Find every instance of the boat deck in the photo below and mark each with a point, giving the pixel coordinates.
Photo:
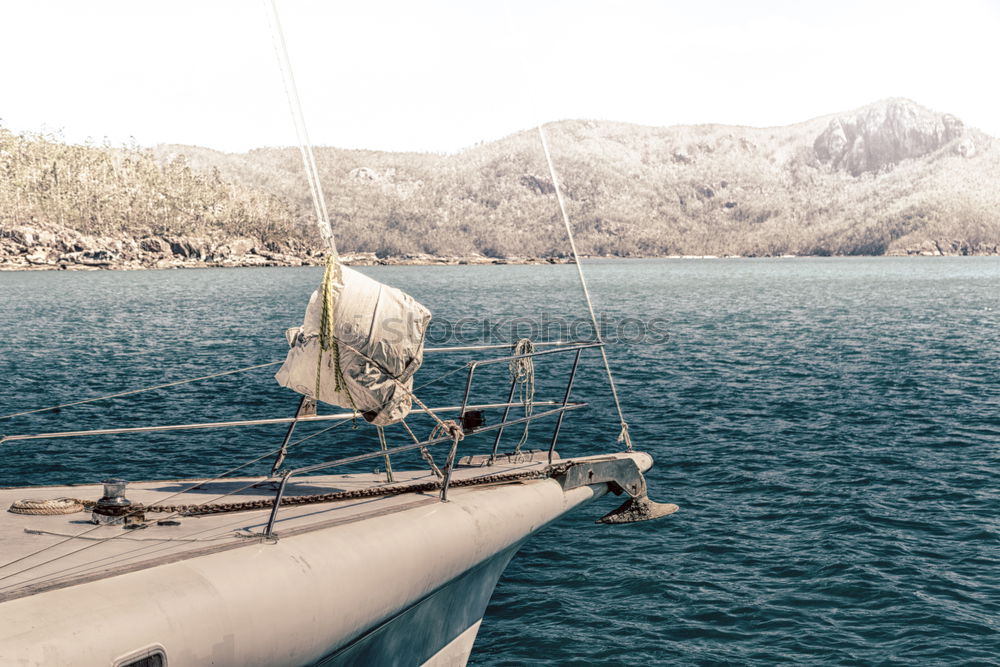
(43, 552)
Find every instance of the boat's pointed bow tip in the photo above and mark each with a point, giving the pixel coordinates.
(643, 460)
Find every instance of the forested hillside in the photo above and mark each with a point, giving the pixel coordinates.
(905, 177)
(892, 177)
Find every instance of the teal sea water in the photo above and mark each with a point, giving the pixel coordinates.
(829, 427)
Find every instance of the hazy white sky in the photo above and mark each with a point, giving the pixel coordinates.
(444, 74)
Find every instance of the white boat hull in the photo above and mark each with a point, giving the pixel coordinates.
(407, 585)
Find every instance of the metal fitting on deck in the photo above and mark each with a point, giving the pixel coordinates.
(113, 506)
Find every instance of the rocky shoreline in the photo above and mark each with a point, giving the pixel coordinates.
(53, 247)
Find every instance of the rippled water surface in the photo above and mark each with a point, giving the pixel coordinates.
(829, 427)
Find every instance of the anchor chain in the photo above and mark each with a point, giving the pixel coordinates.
(353, 494)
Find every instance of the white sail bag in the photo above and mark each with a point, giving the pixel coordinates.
(376, 347)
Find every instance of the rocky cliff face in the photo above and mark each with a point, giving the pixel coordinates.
(50, 246)
(884, 135)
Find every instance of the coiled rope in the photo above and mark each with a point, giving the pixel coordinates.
(522, 373)
(55, 506)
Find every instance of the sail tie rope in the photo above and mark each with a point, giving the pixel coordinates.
(623, 435)
(327, 334)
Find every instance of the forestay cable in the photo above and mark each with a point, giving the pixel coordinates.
(623, 436)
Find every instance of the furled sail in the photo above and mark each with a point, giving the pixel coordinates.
(359, 346)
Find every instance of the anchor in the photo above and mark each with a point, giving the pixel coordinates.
(622, 475)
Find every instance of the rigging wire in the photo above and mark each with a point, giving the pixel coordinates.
(623, 435)
(144, 389)
(301, 132)
(326, 232)
(141, 390)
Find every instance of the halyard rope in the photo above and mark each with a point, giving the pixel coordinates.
(301, 132)
(327, 340)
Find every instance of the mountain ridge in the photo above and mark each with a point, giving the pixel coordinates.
(891, 177)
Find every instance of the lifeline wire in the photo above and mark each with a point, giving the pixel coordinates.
(130, 392)
(444, 426)
(139, 391)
